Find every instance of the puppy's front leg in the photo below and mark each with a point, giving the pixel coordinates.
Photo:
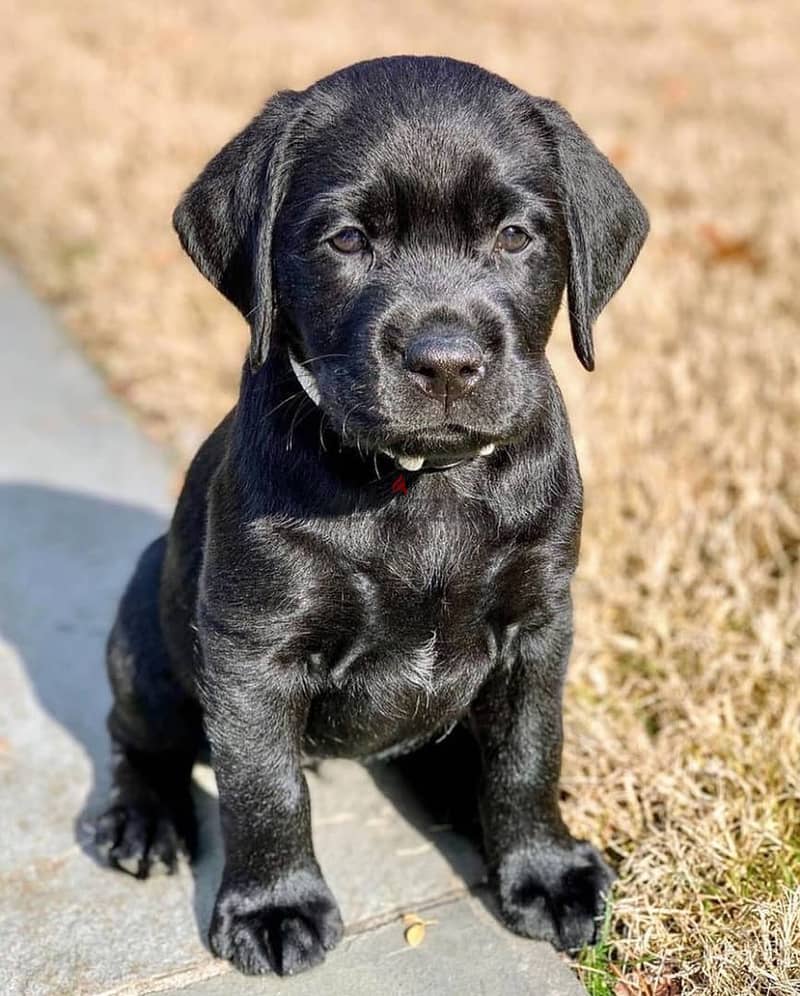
(549, 885)
(274, 911)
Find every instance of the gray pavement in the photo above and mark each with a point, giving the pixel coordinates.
(81, 492)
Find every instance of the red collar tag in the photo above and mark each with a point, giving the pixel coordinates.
(399, 486)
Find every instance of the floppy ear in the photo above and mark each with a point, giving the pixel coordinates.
(606, 224)
(225, 219)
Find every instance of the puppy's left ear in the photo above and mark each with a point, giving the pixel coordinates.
(606, 225)
(225, 219)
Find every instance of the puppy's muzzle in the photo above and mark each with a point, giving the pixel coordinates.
(444, 367)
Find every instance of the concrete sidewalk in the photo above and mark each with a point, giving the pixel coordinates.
(81, 492)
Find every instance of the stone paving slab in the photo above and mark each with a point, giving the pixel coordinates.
(81, 493)
(464, 951)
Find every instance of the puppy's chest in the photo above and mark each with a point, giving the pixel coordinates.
(412, 647)
(424, 614)
(432, 596)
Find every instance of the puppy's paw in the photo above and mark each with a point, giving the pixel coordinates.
(285, 927)
(554, 890)
(143, 839)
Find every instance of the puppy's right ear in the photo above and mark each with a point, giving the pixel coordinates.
(225, 219)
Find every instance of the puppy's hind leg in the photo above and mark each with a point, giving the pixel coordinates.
(155, 736)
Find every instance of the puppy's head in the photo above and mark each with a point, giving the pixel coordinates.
(405, 229)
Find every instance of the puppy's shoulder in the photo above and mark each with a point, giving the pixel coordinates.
(189, 519)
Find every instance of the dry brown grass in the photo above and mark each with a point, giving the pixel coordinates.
(684, 704)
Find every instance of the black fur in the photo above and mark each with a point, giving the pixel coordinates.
(303, 603)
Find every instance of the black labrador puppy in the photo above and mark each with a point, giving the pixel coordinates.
(376, 545)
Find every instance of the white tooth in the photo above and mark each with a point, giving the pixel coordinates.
(410, 462)
(486, 450)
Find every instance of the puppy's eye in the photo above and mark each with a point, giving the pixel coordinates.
(349, 241)
(512, 239)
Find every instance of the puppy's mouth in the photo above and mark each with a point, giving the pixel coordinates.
(419, 462)
(412, 448)
(440, 448)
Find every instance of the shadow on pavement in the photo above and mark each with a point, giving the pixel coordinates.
(435, 789)
(65, 559)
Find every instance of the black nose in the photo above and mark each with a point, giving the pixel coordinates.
(444, 366)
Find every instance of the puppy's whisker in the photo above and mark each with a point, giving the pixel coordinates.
(294, 422)
(356, 406)
(284, 402)
(322, 356)
(257, 307)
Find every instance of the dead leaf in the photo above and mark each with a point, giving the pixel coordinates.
(724, 247)
(638, 982)
(414, 933)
